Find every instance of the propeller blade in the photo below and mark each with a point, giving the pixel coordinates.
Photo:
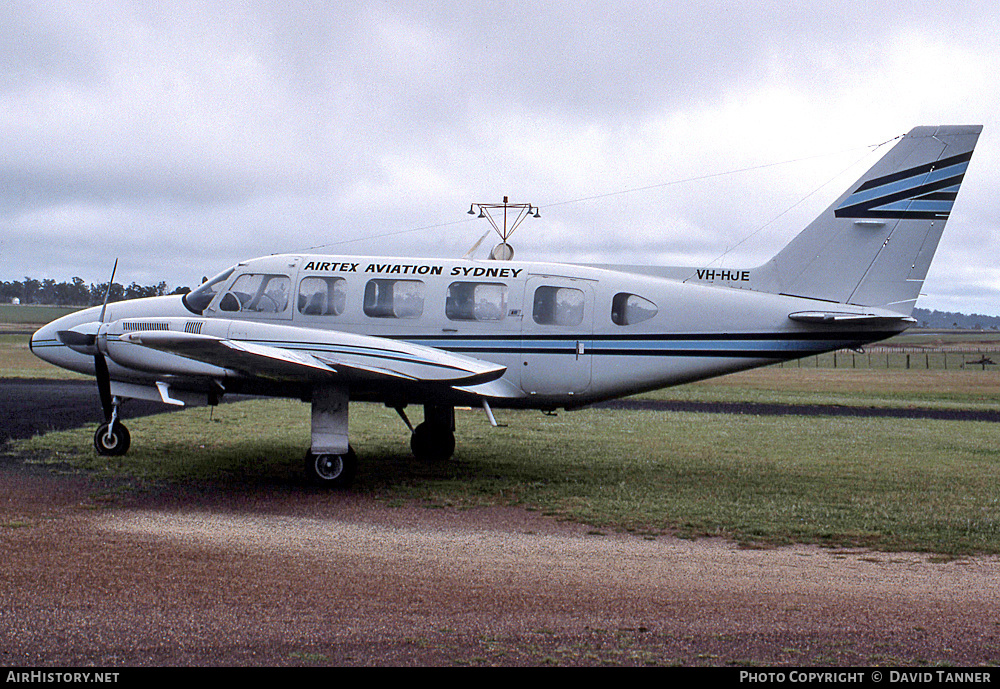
(103, 385)
(100, 364)
(468, 254)
(107, 295)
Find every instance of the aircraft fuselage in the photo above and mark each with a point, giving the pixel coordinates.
(568, 335)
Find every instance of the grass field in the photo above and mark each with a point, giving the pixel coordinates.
(888, 484)
(17, 361)
(958, 389)
(882, 483)
(25, 315)
(16, 325)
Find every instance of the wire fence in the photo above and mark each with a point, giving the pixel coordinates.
(985, 358)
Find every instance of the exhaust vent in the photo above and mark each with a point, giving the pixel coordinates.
(139, 326)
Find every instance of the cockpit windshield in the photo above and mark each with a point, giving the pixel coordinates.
(201, 297)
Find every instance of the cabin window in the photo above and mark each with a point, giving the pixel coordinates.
(394, 298)
(558, 306)
(322, 296)
(257, 293)
(629, 309)
(476, 301)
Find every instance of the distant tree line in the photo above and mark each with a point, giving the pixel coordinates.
(950, 319)
(76, 292)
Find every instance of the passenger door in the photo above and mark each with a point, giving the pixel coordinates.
(556, 334)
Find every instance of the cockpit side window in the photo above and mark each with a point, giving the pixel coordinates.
(202, 296)
(257, 293)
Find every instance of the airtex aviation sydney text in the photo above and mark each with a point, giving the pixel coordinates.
(415, 269)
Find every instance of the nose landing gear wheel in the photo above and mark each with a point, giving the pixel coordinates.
(112, 439)
(330, 470)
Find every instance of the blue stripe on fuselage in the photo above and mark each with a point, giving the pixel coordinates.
(783, 345)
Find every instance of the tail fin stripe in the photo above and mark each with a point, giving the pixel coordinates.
(946, 195)
(895, 205)
(912, 184)
(916, 171)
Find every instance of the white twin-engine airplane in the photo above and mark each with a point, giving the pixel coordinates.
(443, 332)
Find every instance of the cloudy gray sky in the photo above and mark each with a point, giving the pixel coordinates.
(183, 137)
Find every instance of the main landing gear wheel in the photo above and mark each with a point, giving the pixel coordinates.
(112, 439)
(433, 442)
(331, 471)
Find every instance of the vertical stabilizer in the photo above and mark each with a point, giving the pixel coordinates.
(874, 245)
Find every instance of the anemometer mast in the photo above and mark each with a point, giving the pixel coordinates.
(513, 212)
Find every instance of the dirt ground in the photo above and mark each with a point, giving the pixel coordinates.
(97, 574)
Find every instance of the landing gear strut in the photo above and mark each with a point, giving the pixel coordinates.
(112, 439)
(330, 462)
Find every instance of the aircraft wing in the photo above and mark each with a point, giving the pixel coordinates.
(332, 357)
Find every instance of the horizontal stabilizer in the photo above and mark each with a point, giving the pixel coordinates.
(852, 318)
